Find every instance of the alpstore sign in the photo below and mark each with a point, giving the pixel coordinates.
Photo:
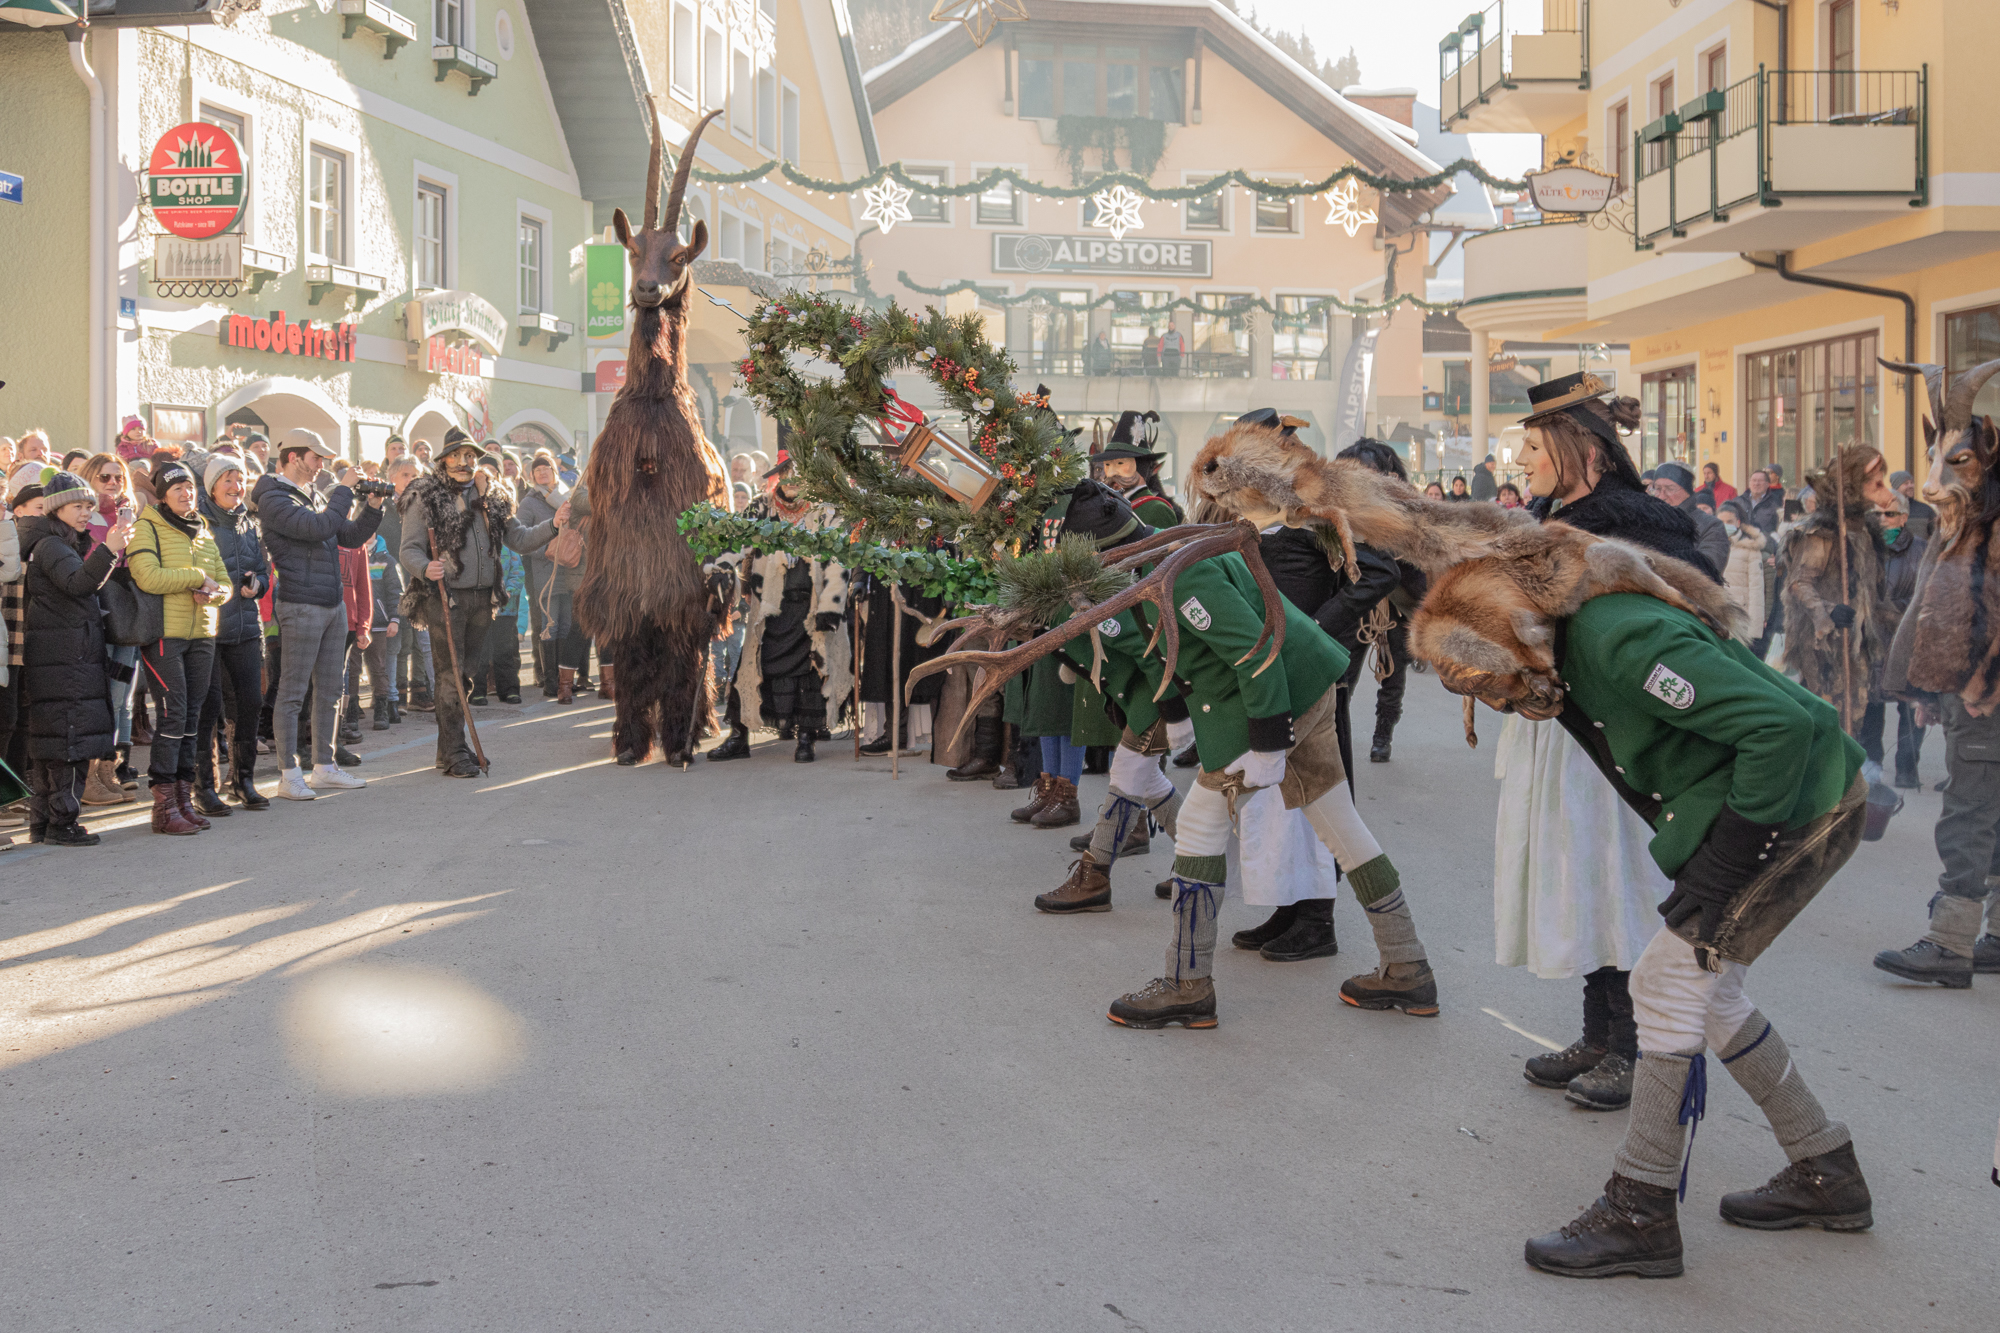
(1030, 252)
(1571, 190)
(195, 181)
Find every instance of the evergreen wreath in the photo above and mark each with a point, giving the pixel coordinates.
(837, 460)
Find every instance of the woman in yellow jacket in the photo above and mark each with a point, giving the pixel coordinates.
(173, 554)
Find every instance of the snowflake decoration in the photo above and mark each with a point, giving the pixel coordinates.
(888, 204)
(1341, 209)
(1118, 211)
(979, 16)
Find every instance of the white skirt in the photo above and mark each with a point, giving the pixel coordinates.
(1574, 886)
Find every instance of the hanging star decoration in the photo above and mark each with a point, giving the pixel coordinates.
(1341, 210)
(888, 204)
(979, 16)
(1117, 211)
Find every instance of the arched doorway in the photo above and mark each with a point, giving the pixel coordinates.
(282, 404)
(428, 422)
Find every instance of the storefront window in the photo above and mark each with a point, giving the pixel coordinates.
(1137, 321)
(1667, 421)
(1807, 401)
(1221, 335)
(1059, 331)
(1302, 347)
(1972, 337)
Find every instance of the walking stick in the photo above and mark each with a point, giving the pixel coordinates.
(895, 682)
(1846, 599)
(457, 675)
(854, 665)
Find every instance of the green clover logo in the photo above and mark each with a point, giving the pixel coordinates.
(604, 296)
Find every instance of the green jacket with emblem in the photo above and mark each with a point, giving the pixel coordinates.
(1130, 678)
(1696, 722)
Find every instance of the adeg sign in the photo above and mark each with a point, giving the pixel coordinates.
(195, 181)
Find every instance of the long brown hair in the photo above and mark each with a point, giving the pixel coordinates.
(1575, 446)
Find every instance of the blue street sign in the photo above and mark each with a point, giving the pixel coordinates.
(128, 307)
(10, 187)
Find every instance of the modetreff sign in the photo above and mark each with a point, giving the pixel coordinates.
(327, 342)
(194, 181)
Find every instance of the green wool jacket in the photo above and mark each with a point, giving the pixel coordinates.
(1221, 614)
(1130, 679)
(1694, 722)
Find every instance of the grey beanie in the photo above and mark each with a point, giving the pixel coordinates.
(219, 466)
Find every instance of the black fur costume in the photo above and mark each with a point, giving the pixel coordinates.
(435, 502)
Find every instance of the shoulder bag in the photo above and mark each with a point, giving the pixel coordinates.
(133, 617)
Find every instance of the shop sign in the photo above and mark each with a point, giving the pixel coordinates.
(1018, 252)
(604, 285)
(443, 357)
(1571, 190)
(327, 342)
(11, 187)
(439, 313)
(194, 181)
(610, 376)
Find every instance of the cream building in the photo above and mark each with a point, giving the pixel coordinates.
(1802, 186)
(1191, 90)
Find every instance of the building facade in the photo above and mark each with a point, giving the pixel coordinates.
(1801, 188)
(1181, 91)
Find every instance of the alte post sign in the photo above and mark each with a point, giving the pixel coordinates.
(194, 181)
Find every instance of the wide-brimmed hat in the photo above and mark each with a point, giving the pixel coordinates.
(455, 439)
(1132, 437)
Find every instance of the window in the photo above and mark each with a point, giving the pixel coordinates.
(730, 244)
(1086, 79)
(531, 264)
(1667, 428)
(1137, 321)
(687, 52)
(742, 115)
(1221, 335)
(448, 23)
(431, 200)
(1972, 337)
(1621, 143)
(1840, 55)
(999, 205)
(767, 110)
(769, 8)
(791, 125)
(1715, 70)
(1208, 213)
(694, 208)
(238, 127)
(1806, 401)
(753, 246)
(929, 207)
(714, 70)
(326, 205)
(1059, 328)
(1663, 102)
(1301, 345)
(1276, 216)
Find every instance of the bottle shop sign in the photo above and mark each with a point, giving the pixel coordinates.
(195, 181)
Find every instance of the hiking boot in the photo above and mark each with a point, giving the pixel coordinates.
(1061, 809)
(1826, 1191)
(101, 786)
(1607, 1087)
(1986, 954)
(69, 835)
(1257, 937)
(1309, 936)
(804, 753)
(1043, 786)
(1088, 889)
(461, 767)
(184, 799)
(1165, 889)
(1406, 986)
(1927, 961)
(737, 746)
(1558, 1069)
(1138, 840)
(1160, 1002)
(423, 702)
(167, 816)
(1632, 1228)
(208, 801)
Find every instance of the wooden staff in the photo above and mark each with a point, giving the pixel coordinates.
(895, 682)
(1846, 599)
(854, 665)
(451, 644)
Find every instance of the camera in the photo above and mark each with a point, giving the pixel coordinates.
(365, 487)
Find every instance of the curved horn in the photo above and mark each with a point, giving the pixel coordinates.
(653, 168)
(1933, 380)
(681, 169)
(1958, 405)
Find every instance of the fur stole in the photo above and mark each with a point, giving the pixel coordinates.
(1811, 554)
(1949, 640)
(1615, 510)
(434, 503)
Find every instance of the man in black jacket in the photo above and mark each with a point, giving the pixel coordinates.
(1673, 483)
(303, 532)
(1767, 502)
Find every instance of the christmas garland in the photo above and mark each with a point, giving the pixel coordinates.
(711, 532)
(1130, 180)
(1294, 318)
(834, 456)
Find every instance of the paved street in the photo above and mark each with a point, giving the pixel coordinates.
(773, 1047)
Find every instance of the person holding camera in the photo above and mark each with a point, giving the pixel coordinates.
(304, 532)
(236, 686)
(455, 522)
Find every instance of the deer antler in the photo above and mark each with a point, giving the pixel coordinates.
(1192, 543)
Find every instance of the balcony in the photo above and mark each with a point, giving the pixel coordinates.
(1526, 79)
(1521, 282)
(373, 16)
(1784, 159)
(477, 69)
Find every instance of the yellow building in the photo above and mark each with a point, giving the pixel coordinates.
(1182, 91)
(1802, 185)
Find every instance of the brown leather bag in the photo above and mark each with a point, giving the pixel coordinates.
(567, 548)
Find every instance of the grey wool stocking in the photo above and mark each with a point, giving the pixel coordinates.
(1117, 816)
(1758, 1059)
(1380, 891)
(1654, 1137)
(1197, 902)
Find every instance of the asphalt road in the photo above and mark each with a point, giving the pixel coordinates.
(771, 1047)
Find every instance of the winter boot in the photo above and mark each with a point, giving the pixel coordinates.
(1632, 1228)
(984, 761)
(208, 801)
(1826, 1191)
(604, 693)
(244, 788)
(128, 777)
(167, 816)
(381, 720)
(184, 798)
(1044, 786)
(1256, 937)
(101, 786)
(737, 746)
(1009, 777)
(1309, 936)
(1088, 889)
(1163, 1001)
(1606, 1086)
(565, 685)
(1558, 1069)
(804, 753)
(1061, 809)
(69, 835)
(1378, 753)
(1407, 986)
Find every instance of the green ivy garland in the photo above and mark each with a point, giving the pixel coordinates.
(1291, 318)
(836, 458)
(1131, 180)
(960, 582)
(1144, 139)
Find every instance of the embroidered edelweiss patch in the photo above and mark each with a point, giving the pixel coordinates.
(1671, 689)
(1196, 613)
(1110, 629)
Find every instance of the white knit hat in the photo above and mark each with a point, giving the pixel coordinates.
(219, 466)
